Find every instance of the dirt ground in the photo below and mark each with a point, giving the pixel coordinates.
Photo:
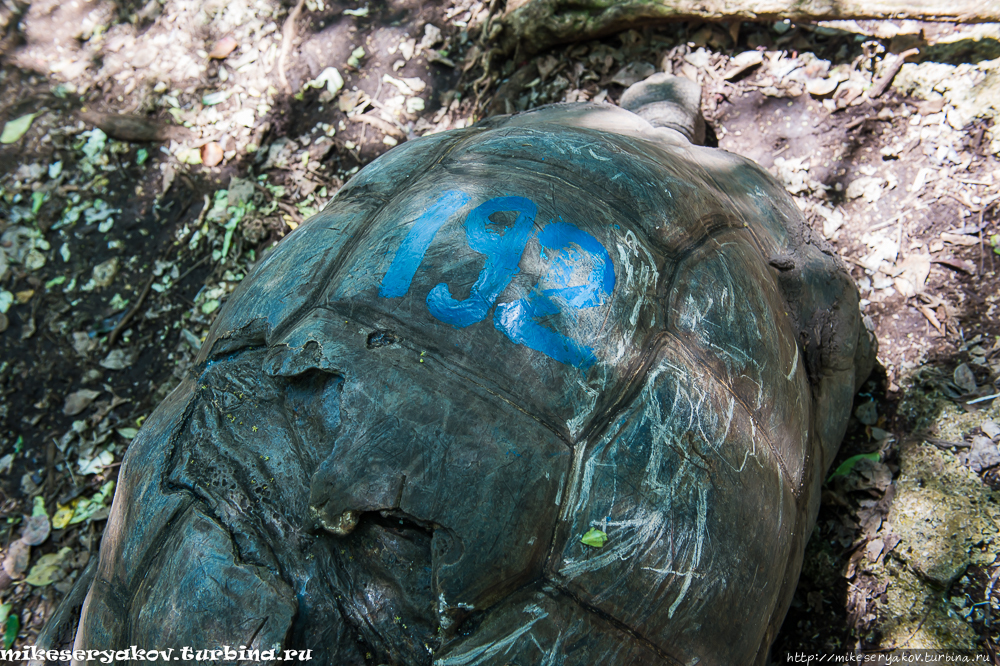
(152, 152)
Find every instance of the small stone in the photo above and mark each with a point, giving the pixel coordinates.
(34, 260)
(83, 343)
(240, 191)
(143, 58)
(222, 48)
(104, 272)
(211, 154)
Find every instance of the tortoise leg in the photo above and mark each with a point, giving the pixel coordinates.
(673, 102)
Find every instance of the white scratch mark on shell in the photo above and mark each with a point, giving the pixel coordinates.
(484, 653)
(598, 157)
(795, 366)
(696, 556)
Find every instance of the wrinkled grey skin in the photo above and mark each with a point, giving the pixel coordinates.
(346, 473)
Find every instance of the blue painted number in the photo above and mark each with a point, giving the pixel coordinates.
(502, 247)
(573, 249)
(404, 265)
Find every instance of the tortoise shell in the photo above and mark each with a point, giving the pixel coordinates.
(556, 388)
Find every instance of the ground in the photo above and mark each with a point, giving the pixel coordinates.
(153, 152)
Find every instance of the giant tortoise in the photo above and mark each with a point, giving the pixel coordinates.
(557, 388)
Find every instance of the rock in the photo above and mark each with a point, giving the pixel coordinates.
(222, 48)
(104, 272)
(144, 58)
(869, 187)
(211, 154)
(432, 36)
(874, 549)
(940, 510)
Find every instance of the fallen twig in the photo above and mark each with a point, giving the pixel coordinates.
(972, 208)
(381, 125)
(883, 83)
(194, 266)
(857, 121)
(291, 211)
(931, 317)
(131, 312)
(945, 444)
(287, 36)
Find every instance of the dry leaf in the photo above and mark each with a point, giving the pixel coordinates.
(821, 87)
(633, 73)
(915, 269)
(49, 568)
(16, 561)
(36, 530)
(959, 239)
(79, 401)
(931, 317)
(964, 378)
(743, 62)
(15, 129)
(383, 126)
